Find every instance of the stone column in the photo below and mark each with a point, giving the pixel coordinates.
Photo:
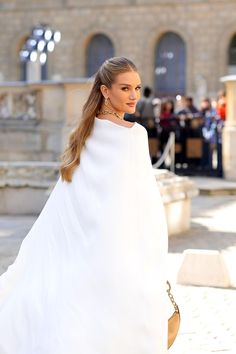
(229, 131)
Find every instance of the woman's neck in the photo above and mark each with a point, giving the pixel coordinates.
(110, 112)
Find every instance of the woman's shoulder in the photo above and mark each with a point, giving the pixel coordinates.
(122, 126)
(108, 135)
(115, 123)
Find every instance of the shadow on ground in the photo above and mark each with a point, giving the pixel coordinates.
(200, 237)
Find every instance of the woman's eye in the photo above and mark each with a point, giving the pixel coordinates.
(138, 88)
(125, 88)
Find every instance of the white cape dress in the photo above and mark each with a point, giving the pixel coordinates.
(90, 276)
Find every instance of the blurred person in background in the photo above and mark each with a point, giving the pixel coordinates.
(167, 120)
(189, 110)
(209, 132)
(221, 105)
(147, 118)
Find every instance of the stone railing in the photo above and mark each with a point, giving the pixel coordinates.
(33, 174)
(177, 192)
(175, 188)
(23, 105)
(24, 186)
(36, 117)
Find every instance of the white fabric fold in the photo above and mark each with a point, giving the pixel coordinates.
(90, 275)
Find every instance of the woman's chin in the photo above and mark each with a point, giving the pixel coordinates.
(131, 110)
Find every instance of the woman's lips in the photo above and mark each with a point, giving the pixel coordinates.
(131, 104)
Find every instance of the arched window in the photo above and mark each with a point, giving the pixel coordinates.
(232, 56)
(99, 49)
(170, 65)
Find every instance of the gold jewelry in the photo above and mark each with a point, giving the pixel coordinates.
(109, 111)
(106, 111)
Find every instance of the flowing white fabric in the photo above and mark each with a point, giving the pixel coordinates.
(90, 275)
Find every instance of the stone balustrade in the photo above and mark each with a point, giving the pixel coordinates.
(35, 117)
(24, 186)
(177, 192)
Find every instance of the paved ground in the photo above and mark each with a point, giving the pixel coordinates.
(208, 314)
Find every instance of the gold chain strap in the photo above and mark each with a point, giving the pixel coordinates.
(172, 297)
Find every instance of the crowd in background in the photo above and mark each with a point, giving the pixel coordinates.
(198, 131)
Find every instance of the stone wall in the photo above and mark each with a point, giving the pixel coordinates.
(134, 26)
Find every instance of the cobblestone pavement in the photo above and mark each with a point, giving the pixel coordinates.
(207, 314)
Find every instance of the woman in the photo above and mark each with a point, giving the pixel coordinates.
(146, 113)
(167, 116)
(168, 122)
(221, 107)
(90, 275)
(209, 133)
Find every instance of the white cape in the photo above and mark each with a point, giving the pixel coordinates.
(90, 275)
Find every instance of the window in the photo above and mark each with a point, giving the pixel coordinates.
(170, 66)
(99, 49)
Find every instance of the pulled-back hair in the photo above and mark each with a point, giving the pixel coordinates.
(105, 76)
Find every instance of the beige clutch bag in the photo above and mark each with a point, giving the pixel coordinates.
(174, 320)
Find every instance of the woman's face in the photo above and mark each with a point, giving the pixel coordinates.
(124, 92)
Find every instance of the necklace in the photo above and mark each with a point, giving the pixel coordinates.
(106, 111)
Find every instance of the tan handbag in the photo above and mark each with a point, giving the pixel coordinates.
(174, 320)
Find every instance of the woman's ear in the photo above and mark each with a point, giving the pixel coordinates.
(104, 91)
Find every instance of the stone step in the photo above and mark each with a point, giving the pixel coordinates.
(214, 186)
(203, 268)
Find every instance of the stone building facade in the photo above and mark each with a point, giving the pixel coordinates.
(200, 31)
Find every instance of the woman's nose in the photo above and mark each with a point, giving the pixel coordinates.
(133, 95)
